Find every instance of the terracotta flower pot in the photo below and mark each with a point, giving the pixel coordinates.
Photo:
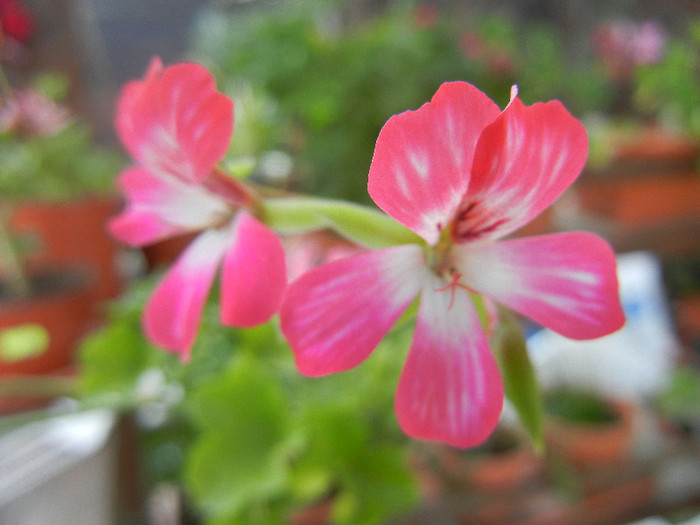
(646, 197)
(507, 461)
(74, 234)
(482, 485)
(593, 444)
(60, 304)
(686, 311)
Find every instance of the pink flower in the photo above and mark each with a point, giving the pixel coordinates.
(461, 174)
(30, 112)
(624, 45)
(178, 127)
(309, 250)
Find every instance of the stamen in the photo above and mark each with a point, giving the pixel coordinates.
(452, 286)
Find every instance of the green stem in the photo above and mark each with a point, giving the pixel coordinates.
(359, 224)
(10, 264)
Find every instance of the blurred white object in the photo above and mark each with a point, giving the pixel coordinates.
(59, 471)
(635, 362)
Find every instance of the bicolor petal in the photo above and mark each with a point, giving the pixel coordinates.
(422, 160)
(254, 276)
(174, 122)
(336, 314)
(566, 282)
(160, 207)
(450, 389)
(174, 310)
(523, 161)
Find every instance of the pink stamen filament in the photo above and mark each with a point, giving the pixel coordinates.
(452, 286)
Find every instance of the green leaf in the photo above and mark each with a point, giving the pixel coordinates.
(520, 382)
(380, 486)
(239, 459)
(357, 223)
(23, 342)
(112, 359)
(229, 473)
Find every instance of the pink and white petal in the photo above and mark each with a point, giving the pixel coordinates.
(336, 314)
(450, 388)
(254, 276)
(141, 227)
(566, 282)
(524, 160)
(159, 207)
(423, 159)
(174, 122)
(174, 310)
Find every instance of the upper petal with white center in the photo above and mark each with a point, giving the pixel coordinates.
(423, 159)
(174, 122)
(524, 160)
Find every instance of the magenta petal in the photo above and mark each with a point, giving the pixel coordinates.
(524, 160)
(159, 207)
(174, 310)
(140, 228)
(174, 122)
(566, 282)
(254, 276)
(450, 389)
(336, 314)
(423, 158)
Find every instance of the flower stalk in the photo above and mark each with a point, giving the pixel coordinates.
(15, 279)
(357, 223)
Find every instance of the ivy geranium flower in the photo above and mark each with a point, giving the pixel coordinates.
(462, 175)
(177, 127)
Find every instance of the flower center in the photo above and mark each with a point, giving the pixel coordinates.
(441, 265)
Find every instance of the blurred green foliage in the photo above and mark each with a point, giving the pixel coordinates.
(323, 89)
(56, 167)
(669, 89)
(248, 437)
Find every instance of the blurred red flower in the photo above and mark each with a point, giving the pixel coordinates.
(15, 20)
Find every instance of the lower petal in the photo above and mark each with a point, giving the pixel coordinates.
(336, 314)
(450, 389)
(173, 312)
(566, 282)
(254, 275)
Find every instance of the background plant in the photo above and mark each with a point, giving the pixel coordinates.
(248, 437)
(45, 155)
(45, 152)
(324, 88)
(670, 87)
